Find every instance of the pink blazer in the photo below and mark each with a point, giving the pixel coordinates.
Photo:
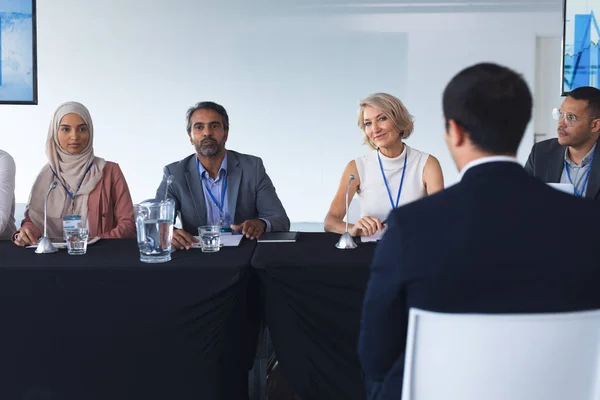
(110, 208)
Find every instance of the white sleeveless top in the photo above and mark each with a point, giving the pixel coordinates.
(373, 195)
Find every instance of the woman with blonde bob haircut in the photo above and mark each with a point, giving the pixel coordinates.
(89, 187)
(391, 175)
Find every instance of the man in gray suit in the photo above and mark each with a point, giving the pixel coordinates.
(571, 157)
(222, 187)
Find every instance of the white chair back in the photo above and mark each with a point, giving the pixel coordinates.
(501, 357)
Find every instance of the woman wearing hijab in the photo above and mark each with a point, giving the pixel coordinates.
(89, 187)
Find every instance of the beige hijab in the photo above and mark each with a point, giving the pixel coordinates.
(69, 170)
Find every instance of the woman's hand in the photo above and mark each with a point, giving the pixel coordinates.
(366, 226)
(25, 238)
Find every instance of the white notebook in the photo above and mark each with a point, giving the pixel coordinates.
(227, 240)
(63, 245)
(373, 238)
(563, 187)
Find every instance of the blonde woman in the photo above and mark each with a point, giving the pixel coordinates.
(88, 186)
(391, 175)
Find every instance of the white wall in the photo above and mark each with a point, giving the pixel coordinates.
(291, 84)
(442, 44)
(547, 85)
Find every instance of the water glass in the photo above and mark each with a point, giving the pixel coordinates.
(76, 239)
(210, 238)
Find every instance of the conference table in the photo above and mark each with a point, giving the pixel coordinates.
(105, 325)
(313, 299)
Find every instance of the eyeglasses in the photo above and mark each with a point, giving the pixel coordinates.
(568, 117)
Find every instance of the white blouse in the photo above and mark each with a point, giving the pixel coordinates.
(373, 194)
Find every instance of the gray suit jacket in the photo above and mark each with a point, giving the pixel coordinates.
(547, 161)
(250, 192)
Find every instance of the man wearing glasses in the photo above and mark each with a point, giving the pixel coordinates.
(570, 158)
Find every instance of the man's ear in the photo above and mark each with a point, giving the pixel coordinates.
(191, 138)
(457, 136)
(595, 125)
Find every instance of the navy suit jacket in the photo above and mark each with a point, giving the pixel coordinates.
(499, 241)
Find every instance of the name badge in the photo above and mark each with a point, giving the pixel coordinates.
(225, 222)
(72, 222)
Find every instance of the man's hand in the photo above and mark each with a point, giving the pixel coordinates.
(25, 238)
(182, 239)
(252, 228)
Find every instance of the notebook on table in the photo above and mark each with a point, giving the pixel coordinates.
(227, 240)
(373, 238)
(563, 187)
(279, 237)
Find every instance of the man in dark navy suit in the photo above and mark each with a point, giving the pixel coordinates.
(499, 241)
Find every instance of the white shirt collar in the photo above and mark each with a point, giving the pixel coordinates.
(485, 160)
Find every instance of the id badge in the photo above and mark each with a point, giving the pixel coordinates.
(225, 222)
(72, 222)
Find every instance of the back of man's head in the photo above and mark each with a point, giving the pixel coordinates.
(493, 105)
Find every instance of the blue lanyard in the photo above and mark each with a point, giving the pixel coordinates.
(212, 196)
(585, 179)
(72, 195)
(386, 182)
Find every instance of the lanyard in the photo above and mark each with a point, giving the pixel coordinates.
(212, 196)
(72, 195)
(585, 179)
(386, 182)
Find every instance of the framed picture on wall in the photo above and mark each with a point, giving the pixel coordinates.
(18, 52)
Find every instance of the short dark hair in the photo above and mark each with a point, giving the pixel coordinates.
(492, 103)
(207, 105)
(589, 94)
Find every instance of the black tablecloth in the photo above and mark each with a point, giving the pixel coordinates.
(106, 326)
(314, 296)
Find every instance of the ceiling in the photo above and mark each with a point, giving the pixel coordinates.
(387, 6)
(432, 5)
(231, 8)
